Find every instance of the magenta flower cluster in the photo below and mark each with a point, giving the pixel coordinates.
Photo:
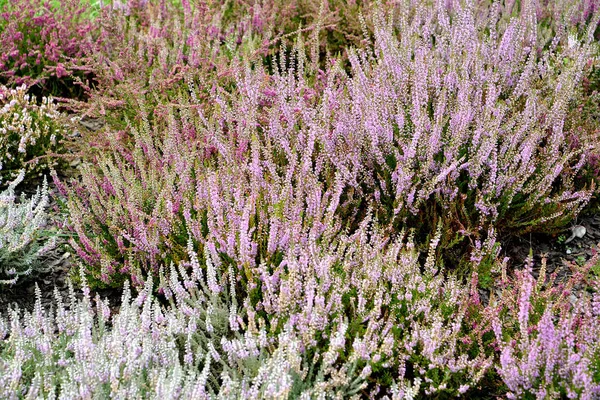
(39, 39)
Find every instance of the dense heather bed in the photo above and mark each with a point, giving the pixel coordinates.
(299, 199)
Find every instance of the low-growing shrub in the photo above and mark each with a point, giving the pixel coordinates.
(28, 131)
(463, 122)
(427, 132)
(23, 237)
(547, 338)
(583, 121)
(344, 316)
(357, 314)
(148, 46)
(187, 183)
(41, 41)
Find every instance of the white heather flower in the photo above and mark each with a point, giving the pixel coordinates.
(211, 273)
(411, 392)
(572, 41)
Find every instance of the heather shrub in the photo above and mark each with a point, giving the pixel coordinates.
(466, 125)
(330, 27)
(23, 239)
(584, 120)
(547, 338)
(424, 133)
(157, 44)
(185, 183)
(146, 49)
(433, 134)
(340, 315)
(326, 320)
(167, 169)
(28, 131)
(41, 43)
(223, 209)
(76, 353)
(346, 306)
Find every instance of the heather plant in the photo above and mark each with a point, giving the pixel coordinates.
(28, 131)
(584, 120)
(327, 320)
(329, 26)
(75, 353)
(463, 122)
(41, 43)
(547, 338)
(147, 47)
(340, 315)
(155, 45)
(227, 205)
(23, 237)
(427, 134)
(346, 304)
(177, 186)
(166, 171)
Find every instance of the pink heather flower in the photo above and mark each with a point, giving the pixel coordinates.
(61, 71)
(524, 304)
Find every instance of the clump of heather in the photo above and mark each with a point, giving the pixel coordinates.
(344, 315)
(547, 338)
(341, 315)
(148, 47)
(330, 27)
(357, 311)
(465, 133)
(28, 131)
(461, 118)
(153, 45)
(40, 42)
(179, 169)
(584, 120)
(75, 353)
(22, 226)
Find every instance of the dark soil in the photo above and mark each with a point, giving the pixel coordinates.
(60, 261)
(559, 254)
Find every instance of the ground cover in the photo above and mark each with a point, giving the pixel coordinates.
(302, 199)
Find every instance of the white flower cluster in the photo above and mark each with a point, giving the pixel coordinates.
(21, 225)
(27, 130)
